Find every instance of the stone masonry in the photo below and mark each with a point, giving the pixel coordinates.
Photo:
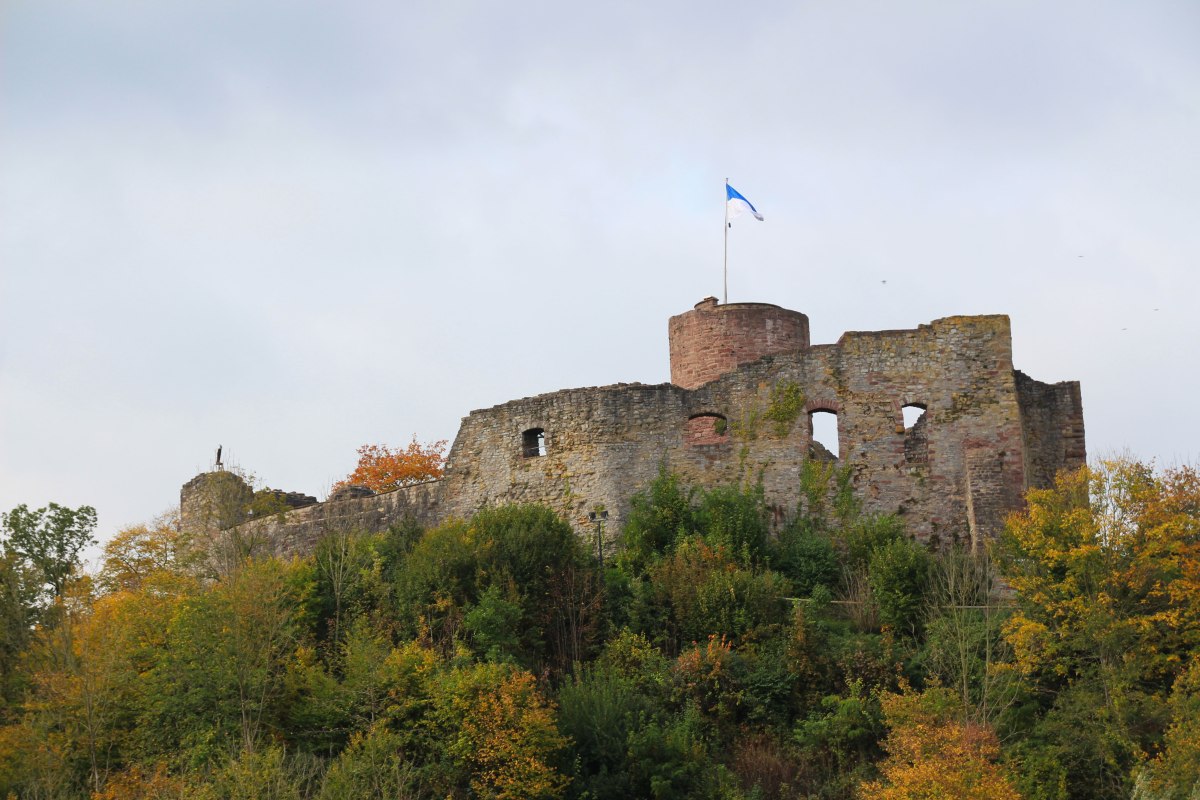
(746, 383)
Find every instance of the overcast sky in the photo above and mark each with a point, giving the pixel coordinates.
(293, 228)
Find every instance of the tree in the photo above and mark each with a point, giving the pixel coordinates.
(382, 469)
(50, 539)
(658, 517)
(340, 559)
(898, 574)
(17, 614)
(963, 636)
(221, 680)
(1175, 774)
(139, 552)
(499, 733)
(932, 753)
(1106, 568)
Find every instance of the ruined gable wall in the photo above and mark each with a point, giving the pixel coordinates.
(1052, 417)
(960, 368)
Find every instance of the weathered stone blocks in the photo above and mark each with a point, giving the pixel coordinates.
(745, 384)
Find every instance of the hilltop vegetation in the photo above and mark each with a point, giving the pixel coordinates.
(707, 658)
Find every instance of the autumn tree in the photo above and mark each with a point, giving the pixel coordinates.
(932, 752)
(1106, 568)
(139, 552)
(382, 468)
(498, 732)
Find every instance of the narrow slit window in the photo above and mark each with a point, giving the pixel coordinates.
(824, 424)
(533, 443)
(916, 438)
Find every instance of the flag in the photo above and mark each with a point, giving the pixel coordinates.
(736, 205)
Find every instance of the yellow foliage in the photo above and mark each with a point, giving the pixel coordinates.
(136, 783)
(503, 732)
(933, 753)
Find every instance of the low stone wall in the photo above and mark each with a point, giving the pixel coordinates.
(296, 533)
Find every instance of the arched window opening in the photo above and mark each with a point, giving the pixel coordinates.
(913, 413)
(704, 429)
(824, 426)
(533, 443)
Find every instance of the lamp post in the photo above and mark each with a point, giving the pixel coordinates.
(599, 517)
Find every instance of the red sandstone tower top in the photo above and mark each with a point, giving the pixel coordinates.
(714, 339)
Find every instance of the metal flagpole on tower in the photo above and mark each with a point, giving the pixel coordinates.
(726, 269)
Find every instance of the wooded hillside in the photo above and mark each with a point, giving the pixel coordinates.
(497, 657)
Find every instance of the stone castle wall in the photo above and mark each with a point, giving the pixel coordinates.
(1053, 417)
(987, 432)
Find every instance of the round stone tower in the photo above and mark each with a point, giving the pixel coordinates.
(713, 339)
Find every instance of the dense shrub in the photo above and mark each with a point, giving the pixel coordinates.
(898, 573)
(735, 519)
(658, 517)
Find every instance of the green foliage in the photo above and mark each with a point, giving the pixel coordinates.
(658, 517)
(599, 709)
(372, 766)
(632, 656)
(524, 544)
(1041, 774)
(785, 406)
(220, 681)
(700, 592)
(770, 685)
(493, 626)
(540, 577)
(736, 520)
(965, 648)
(324, 706)
(50, 540)
(815, 476)
(898, 573)
(436, 581)
(708, 678)
(808, 558)
(846, 505)
(862, 536)
(842, 736)
(669, 760)
(18, 612)
(253, 775)
(1175, 773)
(348, 581)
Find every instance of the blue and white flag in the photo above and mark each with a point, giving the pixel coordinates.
(736, 205)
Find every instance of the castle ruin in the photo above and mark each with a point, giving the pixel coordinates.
(745, 384)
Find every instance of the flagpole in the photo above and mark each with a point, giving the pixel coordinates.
(726, 269)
